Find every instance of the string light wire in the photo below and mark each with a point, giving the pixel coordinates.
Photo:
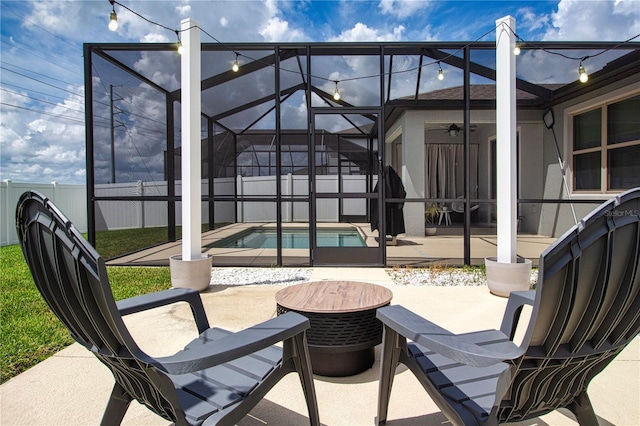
(520, 43)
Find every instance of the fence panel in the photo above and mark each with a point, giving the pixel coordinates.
(70, 199)
(112, 215)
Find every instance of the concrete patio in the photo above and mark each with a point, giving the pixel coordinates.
(72, 387)
(445, 248)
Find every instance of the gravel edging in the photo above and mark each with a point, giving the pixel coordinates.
(442, 277)
(244, 276)
(447, 277)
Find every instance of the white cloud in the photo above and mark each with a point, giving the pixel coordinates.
(532, 21)
(402, 9)
(37, 146)
(276, 29)
(51, 15)
(362, 32)
(183, 9)
(154, 38)
(594, 20)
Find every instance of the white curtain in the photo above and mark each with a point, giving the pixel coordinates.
(445, 170)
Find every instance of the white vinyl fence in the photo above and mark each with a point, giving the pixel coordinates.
(71, 199)
(111, 215)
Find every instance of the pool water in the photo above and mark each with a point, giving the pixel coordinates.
(292, 238)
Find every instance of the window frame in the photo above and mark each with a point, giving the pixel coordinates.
(601, 102)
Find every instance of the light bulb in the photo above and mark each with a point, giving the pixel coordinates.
(179, 43)
(584, 77)
(336, 93)
(516, 50)
(440, 74)
(236, 66)
(113, 20)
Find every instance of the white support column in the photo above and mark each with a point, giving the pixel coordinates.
(506, 140)
(191, 155)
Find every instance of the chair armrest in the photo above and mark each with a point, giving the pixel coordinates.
(441, 341)
(167, 297)
(234, 345)
(517, 300)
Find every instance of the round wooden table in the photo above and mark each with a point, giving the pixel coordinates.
(344, 328)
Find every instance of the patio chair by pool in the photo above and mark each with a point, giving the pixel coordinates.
(458, 206)
(217, 379)
(586, 309)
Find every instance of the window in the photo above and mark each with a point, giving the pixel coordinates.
(606, 147)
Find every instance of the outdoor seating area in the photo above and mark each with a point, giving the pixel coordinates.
(72, 387)
(584, 313)
(353, 162)
(217, 378)
(578, 329)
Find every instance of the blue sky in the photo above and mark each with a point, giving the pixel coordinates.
(41, 75)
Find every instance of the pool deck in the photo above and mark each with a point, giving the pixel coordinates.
(445, 248)
(72, 387)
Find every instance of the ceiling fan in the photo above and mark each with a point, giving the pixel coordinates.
(453, 130)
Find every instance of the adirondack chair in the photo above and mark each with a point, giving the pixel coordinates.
(585, 310)
(217, 379)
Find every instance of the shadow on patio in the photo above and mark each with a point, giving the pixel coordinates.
(73, 387)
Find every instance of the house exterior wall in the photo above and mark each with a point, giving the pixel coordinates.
(531, 131)
(530, 128)
(539, 170)
(555, 219)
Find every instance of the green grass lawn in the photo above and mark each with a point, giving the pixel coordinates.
(29, 332)
(122, 241)
(118, 242)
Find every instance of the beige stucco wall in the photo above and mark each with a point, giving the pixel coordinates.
(556, 219)
(540, 173)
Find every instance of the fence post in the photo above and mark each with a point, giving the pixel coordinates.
(241, 203)
(54, 192)
(140, 204)
(5, 232)
(290, 194)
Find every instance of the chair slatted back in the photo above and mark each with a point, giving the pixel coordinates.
(587, 309)
(72, 278)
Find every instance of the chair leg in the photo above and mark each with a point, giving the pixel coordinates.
(388, 365)
(583, 410)
(302, 361)
(117, 407)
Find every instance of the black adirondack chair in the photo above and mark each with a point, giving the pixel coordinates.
(217, 379)
(586, 309)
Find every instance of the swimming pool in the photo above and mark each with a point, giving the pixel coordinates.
(292, 238)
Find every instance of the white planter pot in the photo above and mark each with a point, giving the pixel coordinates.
(430, 230)
(503, 278)
(194, 273)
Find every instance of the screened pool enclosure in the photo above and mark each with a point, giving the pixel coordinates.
(299, 135)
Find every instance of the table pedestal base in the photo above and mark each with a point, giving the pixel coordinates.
(340, 364)
(343, 326)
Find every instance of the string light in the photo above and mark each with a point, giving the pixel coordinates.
(113, 17)
(582, 73)
(113, 25)
(336, 93)
(179, 43)
(236, 66)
